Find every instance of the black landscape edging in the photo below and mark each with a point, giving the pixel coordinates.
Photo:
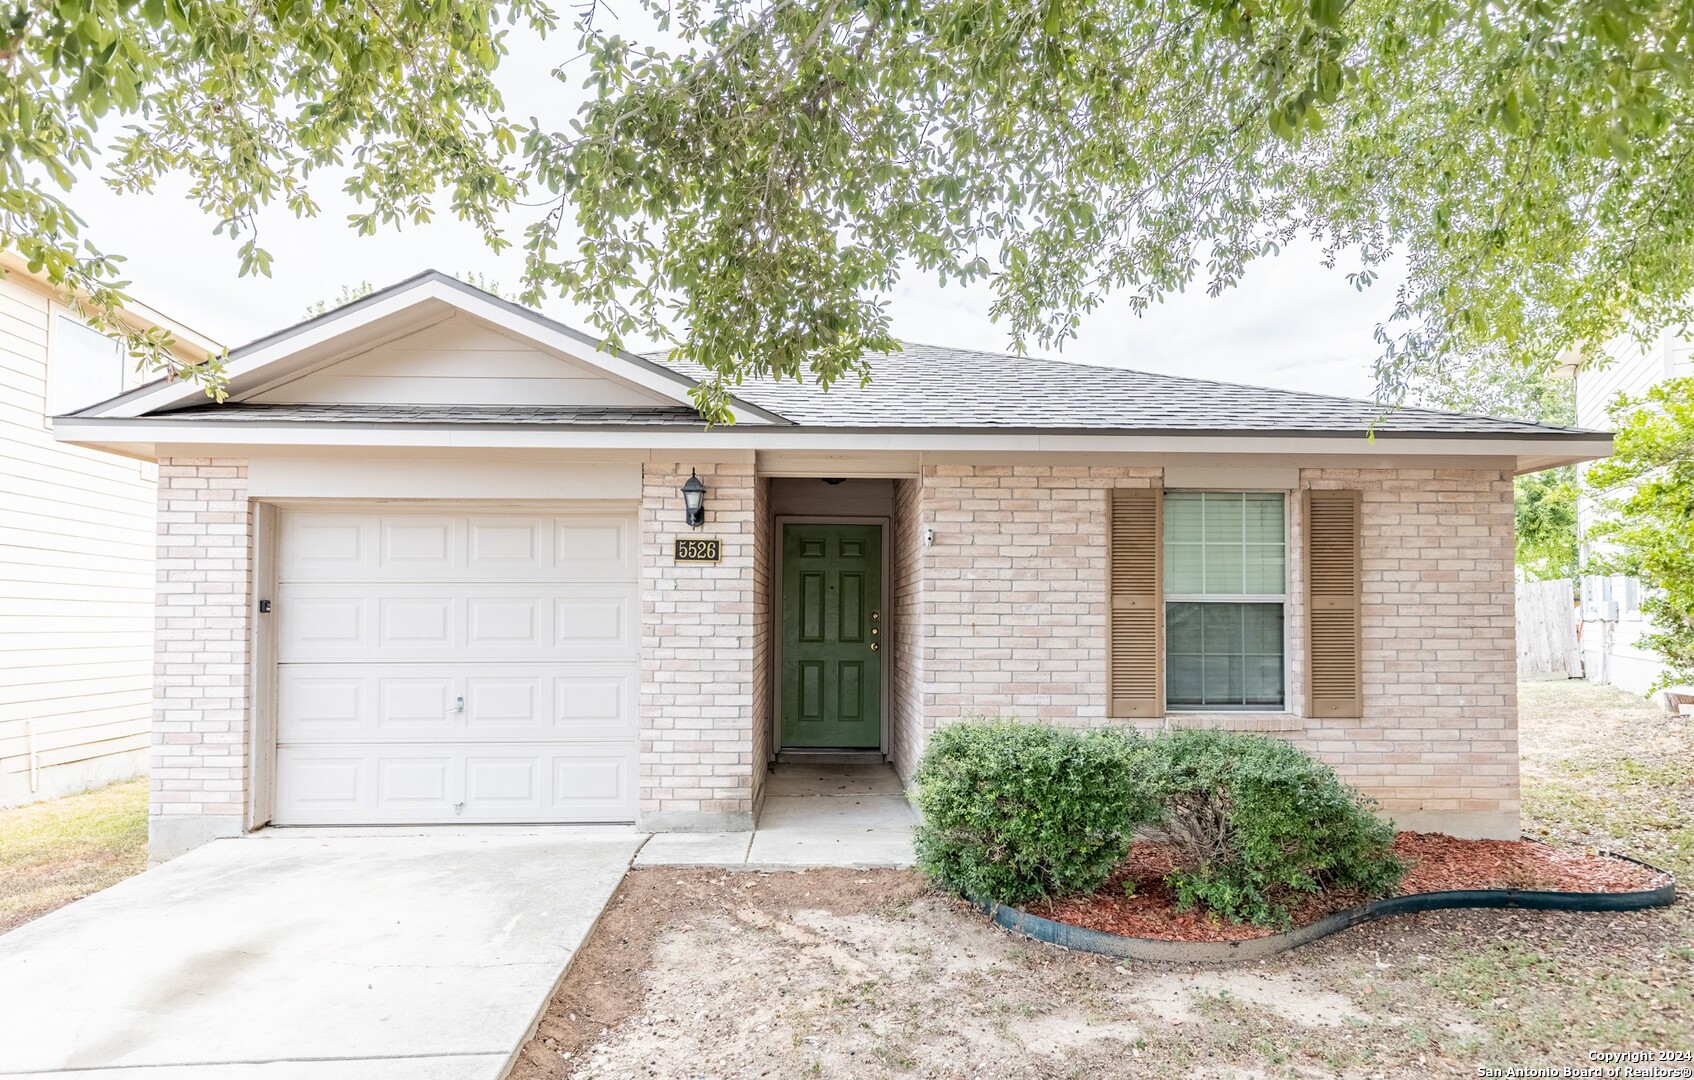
(1139, 948)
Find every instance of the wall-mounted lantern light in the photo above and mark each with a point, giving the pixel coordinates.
(694, 500)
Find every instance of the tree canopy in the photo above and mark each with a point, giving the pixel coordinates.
(1645, 492)
(757, 191)
(249, 99)
(752, 192)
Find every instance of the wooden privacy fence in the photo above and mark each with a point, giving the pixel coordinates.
(1547, 629)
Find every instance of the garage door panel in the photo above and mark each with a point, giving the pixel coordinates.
(503, 784)
(421, 783)
(595, 547)
(456, 667)
(359, 703)
(398, 623)
(604, 624)
(413, 625)
(401, 784)
(319, 546)
(504, 703)
(414, 704)
(584, 781)
(504, 548)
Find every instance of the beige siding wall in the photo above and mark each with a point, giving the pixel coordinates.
(700, 687)
(1009, 613)
(76, 571)
(457, 361)
(200, 770)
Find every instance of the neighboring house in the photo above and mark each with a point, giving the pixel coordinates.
(1611, 623)
(76, 554)
(432, 562)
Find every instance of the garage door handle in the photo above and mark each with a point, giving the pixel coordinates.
(459, 704)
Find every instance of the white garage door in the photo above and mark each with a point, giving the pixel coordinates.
(451, 667)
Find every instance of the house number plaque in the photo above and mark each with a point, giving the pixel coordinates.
(698, 549)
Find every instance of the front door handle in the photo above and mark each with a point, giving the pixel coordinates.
(873, 646)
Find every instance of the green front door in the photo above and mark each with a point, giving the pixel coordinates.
(832, 631)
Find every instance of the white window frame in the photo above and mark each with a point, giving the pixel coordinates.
(1285, 598)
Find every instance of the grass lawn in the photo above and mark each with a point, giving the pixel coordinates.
(846, 973)
(56, 851)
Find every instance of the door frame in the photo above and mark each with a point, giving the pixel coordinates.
(885, 695)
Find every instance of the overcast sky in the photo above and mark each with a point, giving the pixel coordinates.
(1292, 323)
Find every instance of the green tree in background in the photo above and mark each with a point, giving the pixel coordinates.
(1545, 502)
(1645, 491)
(757, 192)
(248, 99)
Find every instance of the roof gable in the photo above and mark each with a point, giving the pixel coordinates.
(402, 341)
(460, 360)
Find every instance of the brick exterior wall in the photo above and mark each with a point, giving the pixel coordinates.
(905, 630)
(1013, 613)
(700, 685)
(1438, 744)
(199, 774)
(763, 629)
(1005, 614)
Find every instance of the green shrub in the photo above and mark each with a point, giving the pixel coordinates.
(1012, 811)
(1259, 823)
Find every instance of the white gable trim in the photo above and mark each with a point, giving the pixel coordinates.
(405, 309)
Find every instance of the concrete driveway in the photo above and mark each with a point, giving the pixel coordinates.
(309, 954)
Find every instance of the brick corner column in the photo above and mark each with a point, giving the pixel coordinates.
(204, 575)
(700, 653)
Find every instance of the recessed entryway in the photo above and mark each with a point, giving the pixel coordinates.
(813, 815)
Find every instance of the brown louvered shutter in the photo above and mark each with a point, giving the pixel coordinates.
(1135, 628)
(1334, 586)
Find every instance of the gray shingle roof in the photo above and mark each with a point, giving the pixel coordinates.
(574, 415)
(931, 386)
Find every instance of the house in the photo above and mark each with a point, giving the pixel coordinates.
(442, 559)
(76, 553)
(1611, 625)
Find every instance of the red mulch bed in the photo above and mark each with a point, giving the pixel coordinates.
(1436, 862)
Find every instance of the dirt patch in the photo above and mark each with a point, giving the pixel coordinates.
(604, 985)
(853, 974)
(1137, 902)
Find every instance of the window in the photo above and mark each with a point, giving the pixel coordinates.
(1226, 598)
(84, 367)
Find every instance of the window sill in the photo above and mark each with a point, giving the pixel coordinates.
(1224, 721)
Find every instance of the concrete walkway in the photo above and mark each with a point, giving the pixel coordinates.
(328, 956)
(814, 815)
